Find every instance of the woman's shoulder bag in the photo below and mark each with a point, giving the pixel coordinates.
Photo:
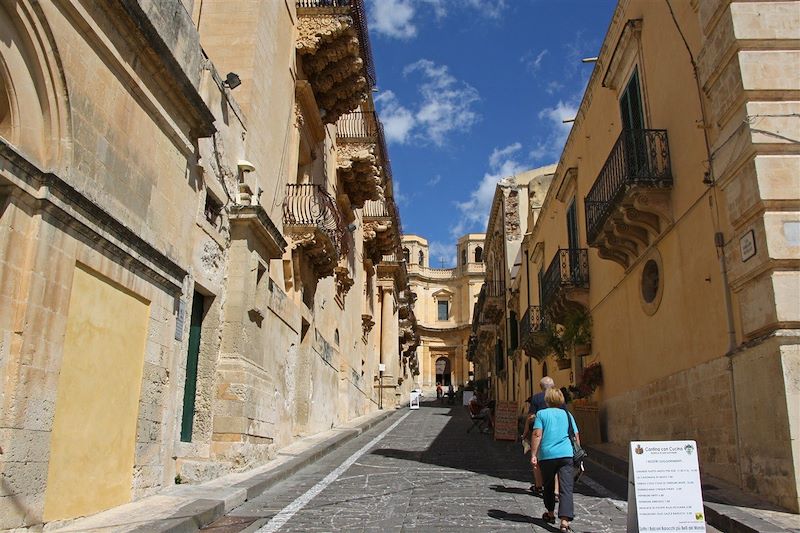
(578, 453)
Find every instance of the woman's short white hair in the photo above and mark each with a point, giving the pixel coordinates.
(547, 383)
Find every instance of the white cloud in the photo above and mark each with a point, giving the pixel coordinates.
(490, 9)
(400, 198)
(393, 19)
(442, 254)
(558, 131)
(397, 120)
(503, 162)
(434, 180)
(445, 106)
(533, 63)
(553, 86)
(446, 102)
(438, 7)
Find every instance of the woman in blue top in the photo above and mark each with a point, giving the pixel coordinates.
(551, 450)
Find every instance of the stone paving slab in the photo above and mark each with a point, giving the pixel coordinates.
(428, 474)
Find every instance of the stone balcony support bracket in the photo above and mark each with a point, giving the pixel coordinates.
(629, 206)
(328, 43)
(359, 172)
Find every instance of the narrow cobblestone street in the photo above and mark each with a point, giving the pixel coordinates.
(418, 471)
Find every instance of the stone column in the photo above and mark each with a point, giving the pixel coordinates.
(389, 346)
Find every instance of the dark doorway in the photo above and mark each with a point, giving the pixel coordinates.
(443, 371)
(192, 356)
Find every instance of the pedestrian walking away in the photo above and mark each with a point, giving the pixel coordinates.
(551, 450)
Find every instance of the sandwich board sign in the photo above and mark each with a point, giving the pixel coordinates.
(413, 400)
(664, 493)
(505, 420)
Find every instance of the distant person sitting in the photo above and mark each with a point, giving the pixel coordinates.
(477, 409)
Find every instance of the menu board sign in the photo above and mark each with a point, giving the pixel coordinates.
(665, 494)
(505, 421)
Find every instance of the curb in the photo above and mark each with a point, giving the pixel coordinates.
(204, 511)
(191, 507)
(726, 518)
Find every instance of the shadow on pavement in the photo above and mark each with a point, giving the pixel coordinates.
(474, 452)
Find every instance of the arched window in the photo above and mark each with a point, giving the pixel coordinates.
(406, 255)
(421, 258)
(478, 254)
(464, 257)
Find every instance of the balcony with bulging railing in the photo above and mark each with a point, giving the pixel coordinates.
(333, 43)
(360, 156)
(533, 332)
(311, 221)
(629, 204)
(495, 301)
(381, 229)
(565, 283)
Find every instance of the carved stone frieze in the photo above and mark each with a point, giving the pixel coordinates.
(358, 170)
(330, 52)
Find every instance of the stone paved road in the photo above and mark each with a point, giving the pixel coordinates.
(425, 474)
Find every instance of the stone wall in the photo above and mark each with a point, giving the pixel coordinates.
(694, 404)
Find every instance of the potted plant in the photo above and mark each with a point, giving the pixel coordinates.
(554, 341)
(578, 331)
(591, 378)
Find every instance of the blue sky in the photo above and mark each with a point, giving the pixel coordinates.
(470, 91)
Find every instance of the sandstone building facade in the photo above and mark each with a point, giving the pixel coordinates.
(200, 246)
(670, 235)
(444, 301)
(494, 343)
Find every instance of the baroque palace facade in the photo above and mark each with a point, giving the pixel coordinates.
(444, 301)
(660, 278)
(201, 253)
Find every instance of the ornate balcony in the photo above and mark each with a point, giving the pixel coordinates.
(333, 44)
(381, 234)
(359, 149)
(312, 222)
(565, 284)
(532, 333)
(628, 205)
(494, 304)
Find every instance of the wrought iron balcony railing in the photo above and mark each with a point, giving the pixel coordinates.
(569, 269)
(356, 10)
(532, 322)
(495, 289)
(310, 205)
(638, 158)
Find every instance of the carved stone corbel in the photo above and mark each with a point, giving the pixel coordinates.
(343, 283)
(366, 326)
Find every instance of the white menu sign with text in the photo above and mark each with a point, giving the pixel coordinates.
(664, 493)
